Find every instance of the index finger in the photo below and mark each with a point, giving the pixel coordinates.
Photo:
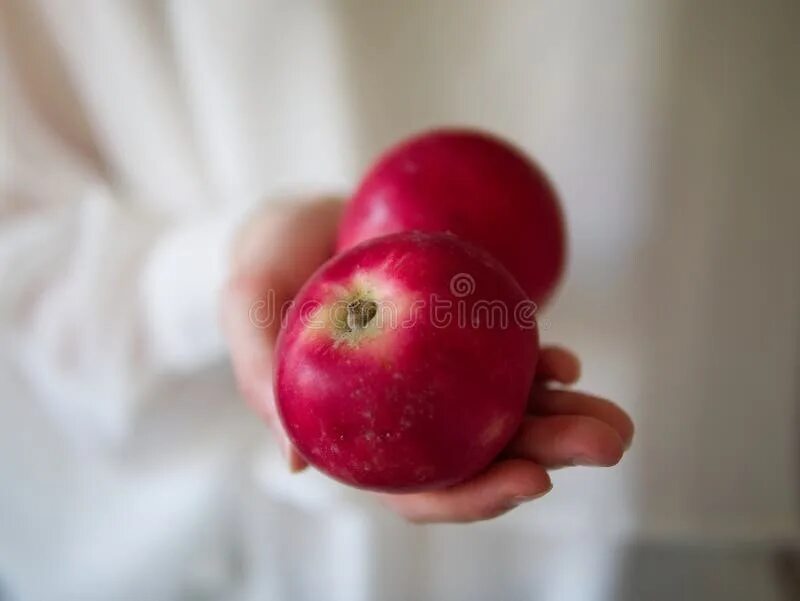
(557, 364)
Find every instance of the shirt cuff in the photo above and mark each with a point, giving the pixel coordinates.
(182, 284)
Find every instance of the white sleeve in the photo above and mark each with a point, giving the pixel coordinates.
(99, 298)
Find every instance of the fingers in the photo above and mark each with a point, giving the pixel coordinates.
(572, 428)
(499, 489)
(559, 365)
(568, 402)
(562, 440)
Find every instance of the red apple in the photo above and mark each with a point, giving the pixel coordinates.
(405, 363)
(473, 185)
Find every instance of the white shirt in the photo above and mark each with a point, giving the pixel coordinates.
(137, 135)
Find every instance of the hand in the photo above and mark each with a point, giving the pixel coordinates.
(280, 247)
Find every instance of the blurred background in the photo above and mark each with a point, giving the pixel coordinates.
(130, 469)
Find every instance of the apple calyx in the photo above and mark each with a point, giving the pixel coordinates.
(360, 312)
(353, 317)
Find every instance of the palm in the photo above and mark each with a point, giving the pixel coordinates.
(280, 248)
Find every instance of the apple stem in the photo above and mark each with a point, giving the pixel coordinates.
(359, 313)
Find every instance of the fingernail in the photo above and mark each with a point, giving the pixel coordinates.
(286, 451)
(585, 461)
(295, 463)
(522, 499)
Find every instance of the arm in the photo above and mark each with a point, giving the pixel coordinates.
(100, 299)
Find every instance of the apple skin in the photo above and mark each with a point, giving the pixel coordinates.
(473, 185)
(408, 402)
